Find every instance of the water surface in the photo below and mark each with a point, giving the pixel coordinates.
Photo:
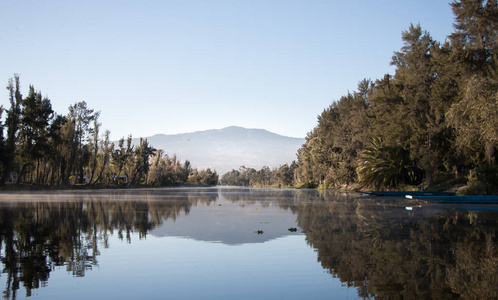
(245, 243)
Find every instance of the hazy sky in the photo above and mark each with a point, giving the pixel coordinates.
(180, 66)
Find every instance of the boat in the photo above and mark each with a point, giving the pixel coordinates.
(405, 193)
(456, 199)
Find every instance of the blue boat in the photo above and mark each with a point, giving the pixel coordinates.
(405, 193)
(457, 199)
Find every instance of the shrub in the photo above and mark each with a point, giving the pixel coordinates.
(483, 180)
(386, 166)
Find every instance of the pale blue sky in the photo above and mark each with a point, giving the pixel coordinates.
(180, 66)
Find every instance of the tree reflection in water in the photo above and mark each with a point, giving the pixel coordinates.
(376, 246)
(36, 237)
(386, 251)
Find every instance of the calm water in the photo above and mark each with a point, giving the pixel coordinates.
(243, 243)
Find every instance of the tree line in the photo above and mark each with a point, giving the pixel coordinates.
(435, 119)
(282, 176)
(44, 148)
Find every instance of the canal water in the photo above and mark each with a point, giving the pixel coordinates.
(226, 243)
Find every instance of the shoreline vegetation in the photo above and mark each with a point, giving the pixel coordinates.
(430, 126)
(44, 149)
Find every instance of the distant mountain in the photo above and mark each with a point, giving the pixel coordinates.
(229, 148)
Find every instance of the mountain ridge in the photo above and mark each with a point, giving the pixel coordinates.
(229, 128)
(229, 148)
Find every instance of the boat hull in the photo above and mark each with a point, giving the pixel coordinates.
(404, 193)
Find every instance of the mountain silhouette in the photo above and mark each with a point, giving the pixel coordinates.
(229, 148)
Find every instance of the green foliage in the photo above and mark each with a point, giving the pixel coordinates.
(166, 171)
(437, 114)
(476, 27)
(47, 149)
(386, 166)
(475, 119)
(309, 185)
(121, 157)
(204, 177)
(142, 155)
(32, 139)
(278, 177)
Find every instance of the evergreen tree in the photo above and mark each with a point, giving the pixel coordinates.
(3, 152)
(475, 36)
(12, 123)
(106, 150)
(36, 114)
(475, 119)
(414, 78)
(143, 152)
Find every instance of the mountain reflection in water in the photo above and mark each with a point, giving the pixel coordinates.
(377, 246)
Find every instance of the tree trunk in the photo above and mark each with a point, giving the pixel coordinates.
(23, 169)
(101, 172)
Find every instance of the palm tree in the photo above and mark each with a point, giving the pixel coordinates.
(386, 166)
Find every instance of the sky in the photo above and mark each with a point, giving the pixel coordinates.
(180, 66)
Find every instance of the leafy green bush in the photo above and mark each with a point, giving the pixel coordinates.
(386, 166)
(309, 185)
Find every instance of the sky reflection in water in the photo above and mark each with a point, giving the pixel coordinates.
(178, 268)
(227, 243)
(183, 244)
